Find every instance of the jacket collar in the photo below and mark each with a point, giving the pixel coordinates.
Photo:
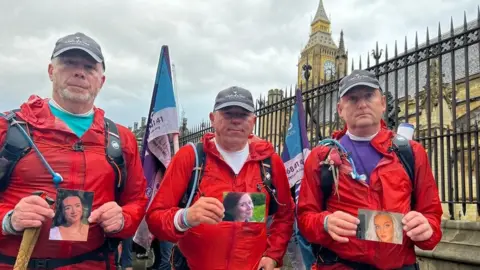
(382, 141)
(36, 112)
(258, 149)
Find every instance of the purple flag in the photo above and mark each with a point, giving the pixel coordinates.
(295, 151)
(162, 120)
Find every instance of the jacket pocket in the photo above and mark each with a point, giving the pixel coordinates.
(396, 189)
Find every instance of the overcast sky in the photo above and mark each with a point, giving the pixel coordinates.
(213, 43)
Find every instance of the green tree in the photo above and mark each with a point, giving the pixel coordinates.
(258, 198)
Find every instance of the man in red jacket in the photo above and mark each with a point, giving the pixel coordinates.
(71, 135)
(381, 183)
(233, 158)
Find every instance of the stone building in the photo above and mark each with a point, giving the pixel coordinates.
(139, 131)
(427, 96)
(327, 60)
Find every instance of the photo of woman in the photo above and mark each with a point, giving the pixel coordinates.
(244, 207)
(72, 210)
(384, 227)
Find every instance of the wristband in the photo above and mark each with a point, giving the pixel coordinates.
(325, 224)
(178, 221)
(184, 218)
(7, 226)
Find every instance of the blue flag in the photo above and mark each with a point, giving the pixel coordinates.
(162, 121)
(296, 147)
(295, 152)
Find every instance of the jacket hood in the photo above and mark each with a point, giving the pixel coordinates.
(337, 134)
(259, 148)
(36, 112)
(383, 138)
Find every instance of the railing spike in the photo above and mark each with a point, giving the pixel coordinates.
(439, 31)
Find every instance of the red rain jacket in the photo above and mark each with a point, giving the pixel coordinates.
(389, 190)
(88, 170)
(227, 245)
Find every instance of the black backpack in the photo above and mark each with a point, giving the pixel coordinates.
(402, 149)
(400, 146)
(17, 146)
(266, 174)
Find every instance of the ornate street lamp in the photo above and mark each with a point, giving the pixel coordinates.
(306, 72)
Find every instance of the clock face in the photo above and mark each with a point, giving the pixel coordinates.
(329, 70)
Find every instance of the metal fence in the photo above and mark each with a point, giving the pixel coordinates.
(435, 86)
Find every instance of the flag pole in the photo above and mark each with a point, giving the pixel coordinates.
(176, 144)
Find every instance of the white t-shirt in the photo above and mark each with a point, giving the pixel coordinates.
(234, 159)
(356, 138)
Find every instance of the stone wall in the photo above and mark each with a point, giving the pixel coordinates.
(459, 248)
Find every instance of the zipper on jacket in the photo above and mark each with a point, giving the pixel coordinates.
(234, 180)
(78, 146)
(235, 176)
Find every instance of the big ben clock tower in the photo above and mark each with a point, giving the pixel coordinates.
(327, 60)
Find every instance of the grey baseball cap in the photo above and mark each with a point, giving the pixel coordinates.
(234, 96)
(79, 41)
(358, 78)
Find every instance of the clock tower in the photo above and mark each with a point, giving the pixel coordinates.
(327, 60)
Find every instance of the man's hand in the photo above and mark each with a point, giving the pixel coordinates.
(267, 263)
(417, 226)
(110, 217)
(205, 210)
(340, 224)
(31, 212)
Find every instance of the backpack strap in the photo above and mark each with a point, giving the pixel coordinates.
(326, 187)
(401, 146)
(14, 148)
(200, 168)
(326, 181)
(114, 154)
(266, 174)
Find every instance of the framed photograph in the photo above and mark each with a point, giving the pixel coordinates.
(380, 226)
(72, 209)
(244, 206)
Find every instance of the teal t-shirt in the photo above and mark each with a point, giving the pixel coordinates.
(79, 124)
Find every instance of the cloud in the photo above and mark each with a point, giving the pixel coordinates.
(213, 43)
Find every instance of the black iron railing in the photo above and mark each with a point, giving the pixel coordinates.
(435, 86)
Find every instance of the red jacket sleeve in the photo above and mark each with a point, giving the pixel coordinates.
(427, 197)
(309, 210)
(133, 199)
(281, 228)
(161, 212)
(4, 208)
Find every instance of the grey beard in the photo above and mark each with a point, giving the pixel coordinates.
(76, 97)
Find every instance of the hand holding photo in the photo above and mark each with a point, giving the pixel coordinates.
(244, 206)
(380, 226)
(70, 222)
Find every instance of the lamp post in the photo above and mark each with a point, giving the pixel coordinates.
(306, 72)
